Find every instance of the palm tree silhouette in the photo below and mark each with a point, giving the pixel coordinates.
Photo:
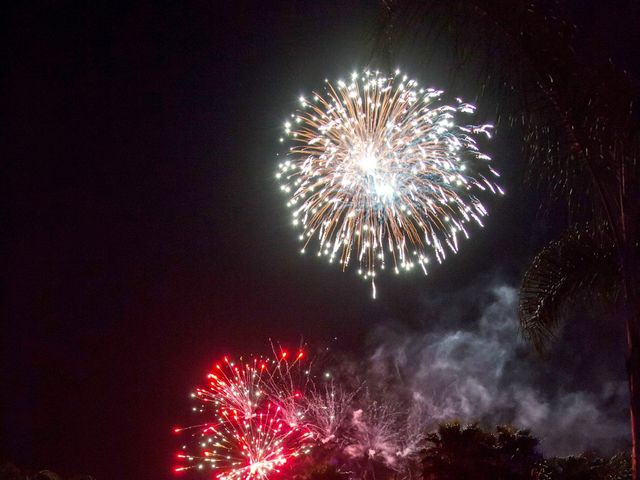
(581, 141)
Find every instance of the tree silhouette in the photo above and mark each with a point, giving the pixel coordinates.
(9, 471)
(585, 467)
(581, 140)
(468, 452)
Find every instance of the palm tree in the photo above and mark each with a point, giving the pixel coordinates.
(598, 257)
(584, 467)
(456, 451)
(581, 140)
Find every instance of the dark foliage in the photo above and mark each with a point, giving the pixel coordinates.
(457, 451)
(468, 452)
(322, 471)
(580, 266)
(585, 467)
(8, 471)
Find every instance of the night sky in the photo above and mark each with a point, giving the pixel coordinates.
(144, 234)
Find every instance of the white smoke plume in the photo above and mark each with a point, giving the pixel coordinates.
(482, 370)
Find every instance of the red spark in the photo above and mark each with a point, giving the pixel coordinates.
(256, 426)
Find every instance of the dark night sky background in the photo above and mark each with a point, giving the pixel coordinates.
(144, 234)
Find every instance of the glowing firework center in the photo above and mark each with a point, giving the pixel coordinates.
(378, 169)
(373, 178)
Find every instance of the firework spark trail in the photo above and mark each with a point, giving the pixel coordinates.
(264, 412)
(327, 411)
(286, 382)
(375, 433)
(235, 385)
(256, 424)
(380, 171)
(414, 428)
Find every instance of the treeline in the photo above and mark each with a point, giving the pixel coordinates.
(9, 471)
(467, 452)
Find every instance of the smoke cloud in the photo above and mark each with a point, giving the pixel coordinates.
(478, 368)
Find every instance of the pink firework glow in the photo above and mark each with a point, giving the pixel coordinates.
(255, 422)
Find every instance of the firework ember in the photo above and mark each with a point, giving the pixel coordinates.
(254, 422)
(380, 173)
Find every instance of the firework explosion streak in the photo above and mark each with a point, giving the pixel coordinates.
(327, 410)
(262, 413)
(375, 433)
(255, 425)
(379, 170)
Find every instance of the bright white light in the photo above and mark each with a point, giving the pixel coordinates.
(367, 160)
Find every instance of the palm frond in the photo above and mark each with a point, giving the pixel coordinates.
(582, 265)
